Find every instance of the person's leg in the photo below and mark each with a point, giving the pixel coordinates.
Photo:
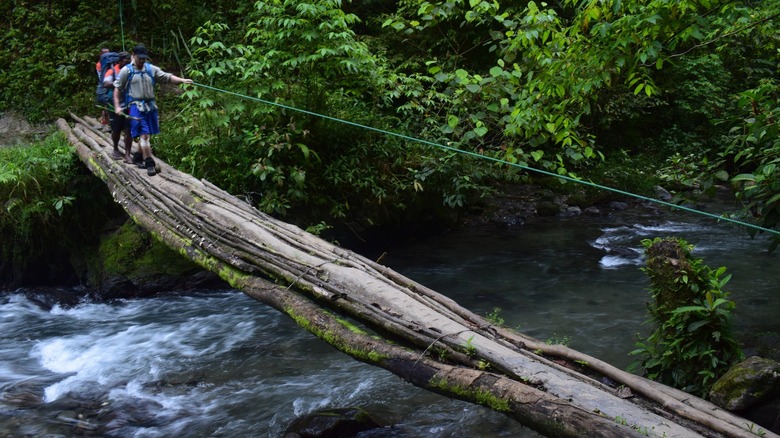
(115, 139)
(116, 131)
(153, 127)
(146, 150)
(146, 146)
(128, 144)
(143, 124)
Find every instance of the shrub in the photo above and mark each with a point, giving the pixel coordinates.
(692, 345)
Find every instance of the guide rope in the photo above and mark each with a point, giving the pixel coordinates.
(497, 160)
(122, 25)
(480, 156)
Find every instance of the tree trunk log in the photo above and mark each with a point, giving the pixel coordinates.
(424, 337)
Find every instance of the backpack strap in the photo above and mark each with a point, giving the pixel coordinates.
(132, 72)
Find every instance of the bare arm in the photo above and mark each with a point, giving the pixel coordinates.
(117, 106)
(177, 80)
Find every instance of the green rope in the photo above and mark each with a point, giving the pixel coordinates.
(497, 160)
(122, 25)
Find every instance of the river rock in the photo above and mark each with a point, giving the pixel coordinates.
(48, 297)
(548, 208)
(572, 211)
(663, 194)
(747, 384)
(618, 205)
(331, 423)
(14, 129)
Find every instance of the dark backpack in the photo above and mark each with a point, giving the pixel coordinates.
(103, 95)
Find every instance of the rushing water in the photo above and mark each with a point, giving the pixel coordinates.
(224, 365)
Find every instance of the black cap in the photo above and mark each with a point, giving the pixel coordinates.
(140, 52)
(124, 55)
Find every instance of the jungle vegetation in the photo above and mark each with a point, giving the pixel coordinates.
(626, 93)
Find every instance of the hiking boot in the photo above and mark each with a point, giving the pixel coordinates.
(138, 158)
(150, 167)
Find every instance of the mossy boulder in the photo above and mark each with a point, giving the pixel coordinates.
(747, 384)
(131, 263)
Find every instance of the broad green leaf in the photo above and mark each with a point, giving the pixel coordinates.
(697, 325)
(773, 199)
(744, 177)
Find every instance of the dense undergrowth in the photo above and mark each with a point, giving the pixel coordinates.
(52, 208)
(686, 92)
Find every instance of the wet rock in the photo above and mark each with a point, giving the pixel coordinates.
(618, 205)
(46, 298)
(14, 129)
(663, 194)
(548, 208)
(21, 398)
(766, 415)
(746, 384)
(570, 212)
(331, 423)
(72, 418)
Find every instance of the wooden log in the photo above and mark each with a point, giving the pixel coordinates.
(311, 280)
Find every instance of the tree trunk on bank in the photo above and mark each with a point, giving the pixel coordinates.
(424, 337)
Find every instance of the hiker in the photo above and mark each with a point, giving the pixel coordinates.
(136, 81)
(98, 69)
(119, 123)
(103, 51)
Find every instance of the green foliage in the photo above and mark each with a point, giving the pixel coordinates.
(33, 187)
(560, 86)
(494, 317)
(45, 71)
(306, 55)
(48, 50)
(753, 152)
(543, 73)
(558, 340)
(621, 170)
(692, 345)
(44, 195)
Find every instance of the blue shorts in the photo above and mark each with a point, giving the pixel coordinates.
(145, 122)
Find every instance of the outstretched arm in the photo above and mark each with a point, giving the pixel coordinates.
(177, 80)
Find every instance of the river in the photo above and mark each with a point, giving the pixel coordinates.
(220, 364)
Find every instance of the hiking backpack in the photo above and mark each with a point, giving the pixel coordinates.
(103, 95)
(146, 70)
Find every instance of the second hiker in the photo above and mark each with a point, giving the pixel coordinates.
(119, 124)
(135, 83)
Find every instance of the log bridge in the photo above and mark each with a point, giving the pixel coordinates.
(382, 318)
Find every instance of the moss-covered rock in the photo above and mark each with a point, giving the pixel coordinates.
(746, 384)
(130, 262)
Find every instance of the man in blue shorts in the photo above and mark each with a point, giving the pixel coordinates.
(135, 83)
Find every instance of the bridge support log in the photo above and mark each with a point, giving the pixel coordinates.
(424, 337)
